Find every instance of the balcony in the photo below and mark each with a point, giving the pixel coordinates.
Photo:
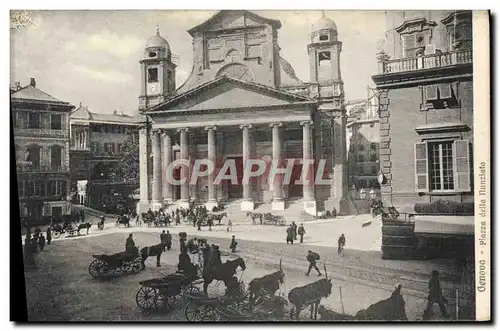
(433, 61)
(40, 168)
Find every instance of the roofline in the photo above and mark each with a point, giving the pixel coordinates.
(221, 78)
(103, 122)
(58, 103)
(275, 23)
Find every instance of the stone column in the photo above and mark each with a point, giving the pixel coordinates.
(143, 171)
(278, 202)
(212, 156)
(247, 204)
(309, 175)
(167, 159)
(157, 201)
(184, 201)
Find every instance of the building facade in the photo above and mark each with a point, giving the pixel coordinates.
(97, 144)
(426, 108)
(243, 102)
(41, 137)
(363, 140)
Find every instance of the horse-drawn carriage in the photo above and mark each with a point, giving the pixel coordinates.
(159, 293)
(69, 229)
(266, 219)
(107, 265)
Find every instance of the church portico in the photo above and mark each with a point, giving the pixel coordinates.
(239, 136)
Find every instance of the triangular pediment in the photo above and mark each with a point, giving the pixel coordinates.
(233, 19)
(227, 93)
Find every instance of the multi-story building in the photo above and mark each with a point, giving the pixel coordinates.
(97, 143)
(243, 101)
(41, 137)
(363, 139)
(426, 108)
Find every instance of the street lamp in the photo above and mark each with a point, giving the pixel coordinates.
(362, 193)
(373, 194)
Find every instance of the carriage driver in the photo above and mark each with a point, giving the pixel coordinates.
(130, 246)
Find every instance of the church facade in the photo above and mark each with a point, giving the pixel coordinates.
(243, 104)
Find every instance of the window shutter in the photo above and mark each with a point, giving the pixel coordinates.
(445, 91)
(421, 168)
(461, 166)
(431, 92)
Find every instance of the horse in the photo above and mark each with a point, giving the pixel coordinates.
(218, 217)
(221, 272)
(267, 284)
(254, 216)
(86, 225)
(391, 309)
(155, 250)
(123, 220)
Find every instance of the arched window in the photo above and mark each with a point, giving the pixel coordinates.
(55, 156)
(32, 155)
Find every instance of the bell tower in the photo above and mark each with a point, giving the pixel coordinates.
(157, 72)
(324, 58)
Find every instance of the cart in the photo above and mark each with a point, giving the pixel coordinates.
(106, 265)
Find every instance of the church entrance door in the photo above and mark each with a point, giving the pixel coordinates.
(235, 191)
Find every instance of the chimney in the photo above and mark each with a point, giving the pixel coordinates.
(33, 82)
(18, 86)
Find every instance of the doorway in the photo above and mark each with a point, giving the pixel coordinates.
(295, 189)
(57, 213)
(235, 191)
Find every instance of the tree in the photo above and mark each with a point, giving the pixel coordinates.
(19, 19)
(128, 167)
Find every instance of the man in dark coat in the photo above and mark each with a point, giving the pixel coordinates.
(301, 231)
(294, 228)
(41, 242)
(168, 240)
(49, 236)
(341, 243)
(435, 296)
(289, 235)
(334, 212)
(215, 259)
(207, 251)
(233, 245)
(312, 257)
(183, 245)
(210, 223)
(130, 245)
(199, 224)
(163, 239)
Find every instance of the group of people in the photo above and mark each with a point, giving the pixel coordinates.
(33, 243)
(293, 230)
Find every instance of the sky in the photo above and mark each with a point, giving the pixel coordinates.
(93, 56)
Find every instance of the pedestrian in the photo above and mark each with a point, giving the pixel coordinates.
(435, 296)
(177, 218)
(312, 257)
(233, 244)
(28, 252)
(215, 256)
(341, 243)
(82, 215)
(210, 223)
(41, 242)
(199, 224)
(334, 212)
(49, 236)
(301, 232)
(168, 240)
(163, 239)
(294, 227)
(229, 226)
(289, 235)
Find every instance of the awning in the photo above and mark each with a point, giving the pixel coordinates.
(444, 225)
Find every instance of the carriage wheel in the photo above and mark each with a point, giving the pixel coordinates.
(146, 297)
(194, 312)
(97, 268)
(137, 266)
(56, 234)
(210, 315)
(125, 267)
(191, 289)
